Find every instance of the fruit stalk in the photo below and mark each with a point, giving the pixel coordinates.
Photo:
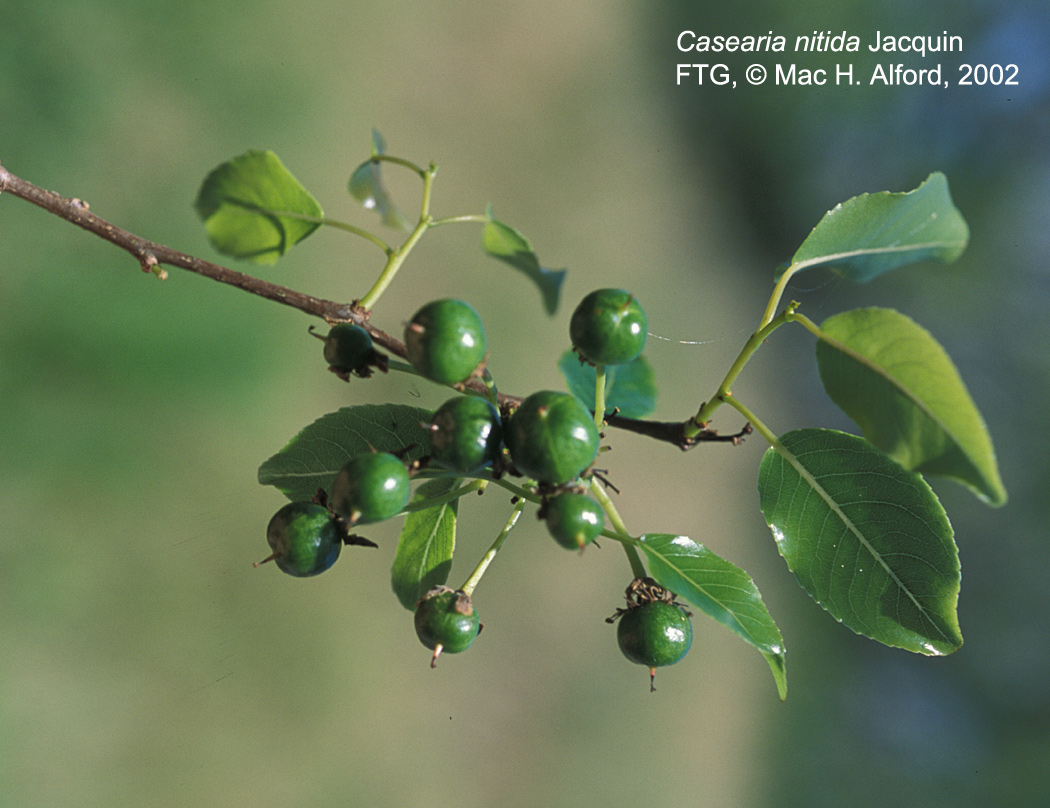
(696, 424)
(397, 257)
(621, 532)
(475, 576)
(599, 396)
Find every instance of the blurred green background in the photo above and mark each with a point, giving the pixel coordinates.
(144, 661)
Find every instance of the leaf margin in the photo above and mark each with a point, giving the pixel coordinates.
(992, 491)
(780, 450)
(210, 202)
(935, 185)
(507, 244)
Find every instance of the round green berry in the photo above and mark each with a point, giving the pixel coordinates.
(370, 488)
(552, 437)
(654, 634)
(574, 520)
(348, 348)
(446, 621)
(465, 434)
(445, 341)
(305, 539)
(609, 327)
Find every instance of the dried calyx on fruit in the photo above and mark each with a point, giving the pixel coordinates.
(654, 630)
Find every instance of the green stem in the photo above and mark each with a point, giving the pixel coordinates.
(397, 257)
(599, 397)
(518, 491)
(760, 427)
(697, 423)
(774, 299)
(393, 264)
(402, 367)
(637, 567)
(463, 490)
(491, 392)
(357, 231)
(326, 222)
(401, 161)
(472, 581)
(478, 218)
(802, 320)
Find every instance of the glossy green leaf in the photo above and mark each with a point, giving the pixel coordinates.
(901, 388)
(250, 208)
(366, 186)
(629, 387)
(865, 537)
(721, 590)
(312, 458)
(428, 539)
(873, 233)
(505, 243)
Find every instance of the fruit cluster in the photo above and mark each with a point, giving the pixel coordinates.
(551, 438)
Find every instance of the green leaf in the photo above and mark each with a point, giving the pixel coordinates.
(505, 243)
(629, 386)
(428, 538)
(873, 233)
(900, 387)
(721, 590)
(312, 458)
(366, 186)
(865, 537)
(250, 206)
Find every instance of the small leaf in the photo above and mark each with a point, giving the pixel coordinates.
(901, 388)
(723, 591)
(865, 537)
(249, 204)
(629, 386)
(873, 233)
(428, 538)
(366, 186)
(312, 458)
(505, 243)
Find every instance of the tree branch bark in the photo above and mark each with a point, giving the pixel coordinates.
(151, 256)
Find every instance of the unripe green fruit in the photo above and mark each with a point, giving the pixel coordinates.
(552, 437)
(370, 488)
(654, 634)
(574, 520)
(348, 348)
(305, 539)
(609, 327)
(445, 341)
(465, 434)
(446, 621)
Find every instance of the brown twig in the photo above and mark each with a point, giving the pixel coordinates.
(674, 432)
(151, 256)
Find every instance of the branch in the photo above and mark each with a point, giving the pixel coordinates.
(674, 432)
(150, 256)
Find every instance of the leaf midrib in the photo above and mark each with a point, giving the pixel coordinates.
(848, 523)
(683, 573)
(879, 370)
(844, 256)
